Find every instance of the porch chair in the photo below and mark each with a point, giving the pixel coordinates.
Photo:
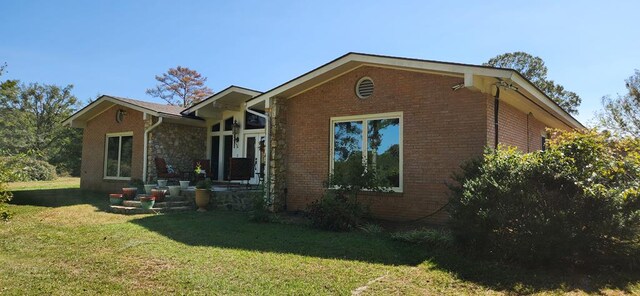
(241, 169)
(163, 171)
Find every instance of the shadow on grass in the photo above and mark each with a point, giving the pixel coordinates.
(233, 230)
(60, 198)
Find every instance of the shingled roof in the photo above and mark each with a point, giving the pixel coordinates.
(160, 108)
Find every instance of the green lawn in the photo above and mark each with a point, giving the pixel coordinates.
(61, 241)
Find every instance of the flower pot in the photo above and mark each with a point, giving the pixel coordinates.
(129, 193)
(162, 183)
(184, 184)
(148, 187)
(158, 194)
(147, 202)
(174, 191)
(115, 199)
(202, 199)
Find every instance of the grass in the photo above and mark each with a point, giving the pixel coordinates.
(62, 182)
(62, 242)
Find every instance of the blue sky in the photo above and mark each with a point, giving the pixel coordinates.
(116, 47)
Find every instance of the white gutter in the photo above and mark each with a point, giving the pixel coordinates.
(146, 137)
(255, 113)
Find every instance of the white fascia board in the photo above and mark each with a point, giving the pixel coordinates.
(69, 121)
(545, 100)
(219, 95)
(392, 62)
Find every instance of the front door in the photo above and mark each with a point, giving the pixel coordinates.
(254, 149)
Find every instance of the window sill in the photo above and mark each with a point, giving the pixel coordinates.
(116, 178)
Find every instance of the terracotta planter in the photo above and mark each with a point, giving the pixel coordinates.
(162, 183)
(148, 187)
(174, 191)
(147, 202)
(129, 193)
(202, 199)
(184, 184)
(159, 194)
(115, 199)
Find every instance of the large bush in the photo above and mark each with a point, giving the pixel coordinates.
(5, 194)
(339, 209)
(27, 168)
(577, 202)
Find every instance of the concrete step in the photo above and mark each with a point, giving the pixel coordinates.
(167, 197)
(138, 210)
(164, 204)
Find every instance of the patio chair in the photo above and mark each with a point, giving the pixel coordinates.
(241, 169)
(163, 171)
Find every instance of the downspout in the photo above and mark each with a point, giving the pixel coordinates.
(146, 144)
(496, 109)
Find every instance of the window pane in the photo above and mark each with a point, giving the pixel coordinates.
(126, 153)
(347, 145)
(253, 121)
(113, 144)
(215, 127)
(383, 138)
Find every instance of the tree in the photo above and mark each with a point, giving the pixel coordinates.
(534, 69)
(31, 122)
(622, 114)
(180, 86)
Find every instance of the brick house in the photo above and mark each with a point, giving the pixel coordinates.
(415, 120)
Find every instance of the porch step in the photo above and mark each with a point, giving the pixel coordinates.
(164, 204)
(138, 210)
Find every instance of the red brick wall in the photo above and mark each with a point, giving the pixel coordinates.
(516, 128)
(442, 128)
(93, 143)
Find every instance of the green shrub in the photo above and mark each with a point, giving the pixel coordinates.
(577, 202)
(335, 211)
(429, 237)
(339, 208)
(371, 228)
(5, 194)
(25, 168)
(259, 212)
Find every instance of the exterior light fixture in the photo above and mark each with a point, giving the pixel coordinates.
(120, 115)
(236, 133)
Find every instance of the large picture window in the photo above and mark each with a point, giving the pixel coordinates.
(119, 152)
(375, 140)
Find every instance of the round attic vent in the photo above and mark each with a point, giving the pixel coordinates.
(364, 87)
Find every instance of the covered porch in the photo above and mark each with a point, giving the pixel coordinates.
(236, 135)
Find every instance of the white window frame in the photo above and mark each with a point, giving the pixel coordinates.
(365, 143)
(106, 154)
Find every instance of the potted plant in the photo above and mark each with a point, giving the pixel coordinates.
(115, 199)
(148, 187)
(129, 193)
(147, 202)
(203, 191)
(174, 190)
(138, 183)
(158, 194)
(184, 184)
(162, 183)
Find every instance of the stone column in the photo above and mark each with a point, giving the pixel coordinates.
(278, 146)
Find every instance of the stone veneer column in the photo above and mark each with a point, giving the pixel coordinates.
(150, 164)
(277, 166)
(179, 145)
